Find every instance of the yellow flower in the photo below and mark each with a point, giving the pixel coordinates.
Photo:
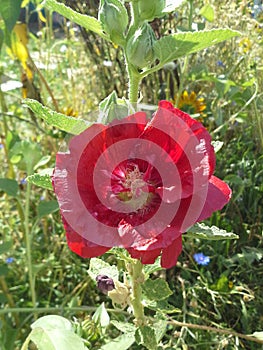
(69, 111)
(192, 104)
(245, 45)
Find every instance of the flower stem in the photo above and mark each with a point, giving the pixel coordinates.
(134, 82)
(137, 277)
(28, 248)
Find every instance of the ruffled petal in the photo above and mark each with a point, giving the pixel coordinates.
(81, 246)
(171, 253)
(218, 196)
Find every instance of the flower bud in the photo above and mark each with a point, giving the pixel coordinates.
(139, 49)
(149, 10)
(105, 283)
(114, 19)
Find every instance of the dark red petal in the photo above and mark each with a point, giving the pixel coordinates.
(197, 128)
(146, 257)
(81, 246)
(218, 196)
(171, 253)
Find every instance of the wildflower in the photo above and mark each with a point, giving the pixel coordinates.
(192, 104)
(138, 184)
(9, 260)
(245, 45)
(220, 64)
(201, 259)
(105, 283)
(1, 146)
(23, 181)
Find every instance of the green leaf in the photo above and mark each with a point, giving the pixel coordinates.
(26, 154)
(160, 328)
(101, 316)
(55, 333)
(41, 180)
(100, 267)
(9, 186)
(162, 306)
(9, 11)
(87, 22)
(174, 46)
(145, 335)
(5, 247)
(46, 208)
(69, 124)
(156, 289)
(43, 161)
(151, 268)
(124, 327)
(122, 342)
(207, 12)
(212, 233)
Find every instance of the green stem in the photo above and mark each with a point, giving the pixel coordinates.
(58, 309)
(29, 248)
(134, 83)
(186, 60)
(137, 277)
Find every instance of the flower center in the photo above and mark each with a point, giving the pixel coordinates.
(133, 186)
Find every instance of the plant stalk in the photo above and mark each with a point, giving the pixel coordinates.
(29, 247)
(137, 277)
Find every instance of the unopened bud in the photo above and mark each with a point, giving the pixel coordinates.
(149, 10)
(139, 48)
(105, 283)
(114, 19)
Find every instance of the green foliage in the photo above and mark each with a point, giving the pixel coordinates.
(9, 186)
(100, 267)
(85, 21)
(46, 208)
(156, 289)
(207, 12)
(40, 180)
(174, 46)
(122, 342)
(9, 11)
(69, 124)
(54, 333)
(212, 233)
(145, 335)
(114, 19)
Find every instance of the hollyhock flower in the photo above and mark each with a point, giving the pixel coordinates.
(138, 184)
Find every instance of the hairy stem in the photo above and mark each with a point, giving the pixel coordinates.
(137, 277)
(29, 248)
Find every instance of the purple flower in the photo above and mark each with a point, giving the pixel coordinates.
(201, 259)
(9, 260)
(105, 283)
(23, 181)
(1, 146)
(220, 64)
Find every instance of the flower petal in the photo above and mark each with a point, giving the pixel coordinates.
(218, 196)
(171, 253)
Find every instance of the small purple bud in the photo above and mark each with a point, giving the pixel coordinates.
(105, 283)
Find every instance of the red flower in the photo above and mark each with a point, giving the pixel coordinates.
(138, 184)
